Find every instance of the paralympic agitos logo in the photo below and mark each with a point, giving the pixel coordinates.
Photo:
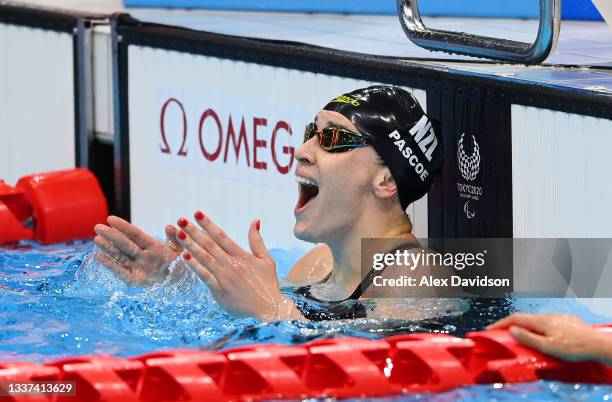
(468, 164)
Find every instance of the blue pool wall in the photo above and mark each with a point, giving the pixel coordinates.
(571, 9)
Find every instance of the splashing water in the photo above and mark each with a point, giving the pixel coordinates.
(56, 301)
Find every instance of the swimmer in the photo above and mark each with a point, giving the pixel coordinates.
(367, 156)
(563, 336)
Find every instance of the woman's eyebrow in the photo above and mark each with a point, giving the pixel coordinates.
(333, 123)
(338, 125)
(329, 123)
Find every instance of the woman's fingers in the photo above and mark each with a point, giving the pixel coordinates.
(202, 239)
(171, 237)
(218, 235)
(201, 256)
(256, 242)
(532, 322)
(208, 278)
(118, 239)
(107, 248)
(115, 267)
(132, 232)
(529, 339)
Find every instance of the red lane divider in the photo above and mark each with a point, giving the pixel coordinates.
(51, 207)
(100, 378)
(344, 367)
(13, 211)
(340, 367)
(181, 375)
(430, 362)
(265, 371)
(23, 372)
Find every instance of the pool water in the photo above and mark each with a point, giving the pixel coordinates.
(56, 301)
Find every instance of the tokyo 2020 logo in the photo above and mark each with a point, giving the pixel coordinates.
(469, 165)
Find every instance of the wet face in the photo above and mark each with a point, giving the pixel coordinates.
(332, 187)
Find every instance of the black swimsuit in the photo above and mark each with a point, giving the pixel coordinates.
(316, 309)
(319, 310)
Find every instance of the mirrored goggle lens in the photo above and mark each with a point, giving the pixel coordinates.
(334, 139)
(311, 131)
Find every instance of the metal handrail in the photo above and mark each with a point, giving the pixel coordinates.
(483, 46)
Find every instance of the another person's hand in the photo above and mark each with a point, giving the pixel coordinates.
(133, 255)
(563, 336)
(243, 283)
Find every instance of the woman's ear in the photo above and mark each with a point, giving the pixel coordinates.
(383, 185)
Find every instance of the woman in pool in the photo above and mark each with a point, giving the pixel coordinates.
(368, 155)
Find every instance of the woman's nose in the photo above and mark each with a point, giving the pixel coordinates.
(306, 152)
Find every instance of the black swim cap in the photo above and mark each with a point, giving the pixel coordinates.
(406, 139)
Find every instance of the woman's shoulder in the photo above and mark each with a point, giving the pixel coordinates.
(313, 267)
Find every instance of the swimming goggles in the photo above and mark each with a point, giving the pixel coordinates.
(335, 139)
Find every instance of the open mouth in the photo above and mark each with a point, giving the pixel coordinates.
(308, 192)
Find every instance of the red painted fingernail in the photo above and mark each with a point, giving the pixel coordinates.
(199, 215)
(187, 256)
(257, 224)
(182, 222)
(181, 235)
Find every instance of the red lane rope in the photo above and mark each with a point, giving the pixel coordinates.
(59, 206)
(340, 367)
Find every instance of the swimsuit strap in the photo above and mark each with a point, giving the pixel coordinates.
(365, 283)
(361, 288)
(326, 277)
(369, 278)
